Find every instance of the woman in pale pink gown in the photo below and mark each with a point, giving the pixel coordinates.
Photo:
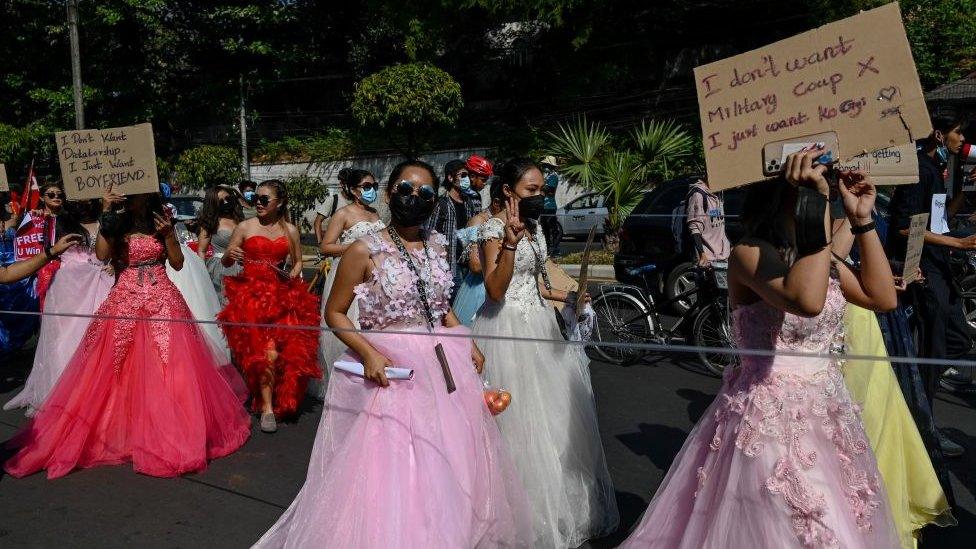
(148, 392)
(404, 463)
(780, 458)
(80, 286)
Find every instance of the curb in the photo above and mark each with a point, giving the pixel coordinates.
(596, 271)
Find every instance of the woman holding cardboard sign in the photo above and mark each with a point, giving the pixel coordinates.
(780, 459)
(140, 390)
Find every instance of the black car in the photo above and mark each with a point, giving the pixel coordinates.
(647, 239)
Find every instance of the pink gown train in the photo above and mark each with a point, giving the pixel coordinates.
(149, 392)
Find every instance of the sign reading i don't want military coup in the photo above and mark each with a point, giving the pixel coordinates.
(92, 159)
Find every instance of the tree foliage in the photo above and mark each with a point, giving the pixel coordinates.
(207, 166)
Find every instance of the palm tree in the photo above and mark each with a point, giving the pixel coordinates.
(579, 145)
(619, 176)
(661, 144)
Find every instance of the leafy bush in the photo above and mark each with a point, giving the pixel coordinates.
(206, 166)
(330, 146)
(20, 145)
(406, 99)
(304, 191)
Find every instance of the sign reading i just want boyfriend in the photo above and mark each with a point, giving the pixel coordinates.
(854, 78)
(91, 159)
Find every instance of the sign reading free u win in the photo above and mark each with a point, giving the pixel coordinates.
(91, 159)
(854, 78)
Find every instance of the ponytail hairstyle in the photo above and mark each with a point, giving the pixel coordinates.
(281, 193)
(344, 183)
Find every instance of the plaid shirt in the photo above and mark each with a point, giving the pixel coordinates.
(444, 221)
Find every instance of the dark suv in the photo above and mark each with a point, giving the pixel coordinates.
(647, 238)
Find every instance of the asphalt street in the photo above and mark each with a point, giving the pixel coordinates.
(646, 412)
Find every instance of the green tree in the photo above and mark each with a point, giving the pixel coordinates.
(304, 192)
(406, 100)
(620, 178)
(661, 146)
(579, 145)
(207, 166)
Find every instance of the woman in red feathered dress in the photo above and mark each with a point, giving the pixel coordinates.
(277, 360)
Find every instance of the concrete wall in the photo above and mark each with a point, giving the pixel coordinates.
(381, 166)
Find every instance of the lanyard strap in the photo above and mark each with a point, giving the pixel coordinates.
(421, 285)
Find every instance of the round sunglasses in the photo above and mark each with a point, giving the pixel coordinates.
(426, 192)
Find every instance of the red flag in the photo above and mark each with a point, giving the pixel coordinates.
(31, 198)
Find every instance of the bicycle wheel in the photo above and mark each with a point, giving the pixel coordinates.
(711, 329)
(620, 318)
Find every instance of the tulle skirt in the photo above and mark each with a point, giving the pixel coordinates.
(79, 288)
(779, 460)
(193, 282)
(469, 298)
(168, 417)
(330, 348)
(551, 425)
(914, 493)
(407, 466)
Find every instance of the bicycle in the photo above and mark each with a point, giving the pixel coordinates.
(626, 313)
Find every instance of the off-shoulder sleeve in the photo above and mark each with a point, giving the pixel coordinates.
(492, 229)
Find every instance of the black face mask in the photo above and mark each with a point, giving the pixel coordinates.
(226, 208)
(410, 210)
(531, 208)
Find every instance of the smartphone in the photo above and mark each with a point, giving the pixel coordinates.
(775, 153)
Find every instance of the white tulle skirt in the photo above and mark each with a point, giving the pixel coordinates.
(551, 425)
(330, 348)
(194, 282)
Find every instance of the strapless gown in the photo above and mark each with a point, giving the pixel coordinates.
(780, 459)
(263, 294)
(19, 296)
(407, 466)
(145, 391)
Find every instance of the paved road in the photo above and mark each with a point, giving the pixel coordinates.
(646, 412)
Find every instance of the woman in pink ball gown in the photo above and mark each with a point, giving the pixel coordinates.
(145, 391)
(780, 459)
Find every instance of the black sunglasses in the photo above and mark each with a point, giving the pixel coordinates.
(263, 199)
(368, 186)
(425, 192)
(54, 195)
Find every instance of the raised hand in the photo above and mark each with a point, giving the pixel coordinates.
(858, 193)
(801, 172)
(110, 199)
(164, 225)
(514, 227)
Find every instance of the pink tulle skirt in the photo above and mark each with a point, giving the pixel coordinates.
(408, 465)
(168, 417)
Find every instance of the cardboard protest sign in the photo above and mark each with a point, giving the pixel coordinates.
(91, 159)
(888, 166)
(4, 184)
(560, 280)
(854, 78)
(913, 252)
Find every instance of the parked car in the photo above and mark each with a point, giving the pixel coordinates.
(581, 214)
(187, 206)
(647, 238)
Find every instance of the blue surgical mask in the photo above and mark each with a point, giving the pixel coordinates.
(368, 196)
(249, 196)
(464, 183)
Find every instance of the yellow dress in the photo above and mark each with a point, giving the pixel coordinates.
(914, 493)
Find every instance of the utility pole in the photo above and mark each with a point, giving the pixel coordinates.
(76, 64)
(245, 161)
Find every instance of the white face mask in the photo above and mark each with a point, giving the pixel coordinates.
(464, 183)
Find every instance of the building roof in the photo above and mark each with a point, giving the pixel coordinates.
(962, 90)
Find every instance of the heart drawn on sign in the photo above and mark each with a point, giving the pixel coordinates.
(888, 93)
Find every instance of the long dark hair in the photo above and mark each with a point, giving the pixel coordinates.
(118, 224)
(509, 174)
(281, 193)
(74, 213)
(209, 218)
(397, 172)
(762, 214)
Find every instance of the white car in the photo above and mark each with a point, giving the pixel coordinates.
(582, 213)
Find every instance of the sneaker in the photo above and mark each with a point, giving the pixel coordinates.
(949, 448)
(268, 423)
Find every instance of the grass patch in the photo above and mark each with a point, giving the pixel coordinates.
(597, 257)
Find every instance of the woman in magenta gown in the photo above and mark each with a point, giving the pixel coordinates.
(145, 391)
(780, 459)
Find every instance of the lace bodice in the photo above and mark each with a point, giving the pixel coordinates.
(360, 229)
(762, 326)
(523, 290)
(390, 297)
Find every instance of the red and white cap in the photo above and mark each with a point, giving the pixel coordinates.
(968, 153)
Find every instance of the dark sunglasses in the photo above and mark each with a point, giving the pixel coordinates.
(54, 195)
(365, 186)
(263, 199)
(425, 192)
